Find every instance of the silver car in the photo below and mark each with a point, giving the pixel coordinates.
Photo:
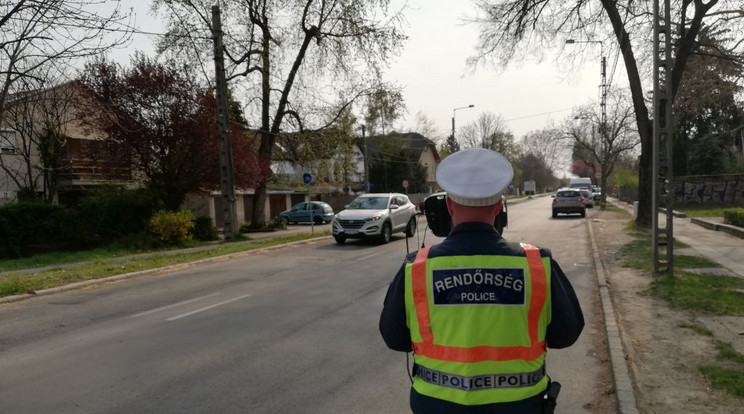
(375, 216)
(568, 201)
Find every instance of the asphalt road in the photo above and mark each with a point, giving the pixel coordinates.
(292, 330)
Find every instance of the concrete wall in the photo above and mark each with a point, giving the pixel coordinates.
(709, 190)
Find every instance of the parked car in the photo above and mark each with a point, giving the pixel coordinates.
(568, 201)
(375, 216)
(315, 211)
(588, 198)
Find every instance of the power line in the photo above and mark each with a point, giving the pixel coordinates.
(536, 115)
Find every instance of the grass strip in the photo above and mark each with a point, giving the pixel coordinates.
(730, 380)
(95, 267)
(720, 295)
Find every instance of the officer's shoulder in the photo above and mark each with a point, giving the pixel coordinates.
(518, 249)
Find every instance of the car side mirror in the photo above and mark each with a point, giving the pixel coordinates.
(393, 206)
(552, 196)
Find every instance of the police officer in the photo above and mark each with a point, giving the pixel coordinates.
(477, 311)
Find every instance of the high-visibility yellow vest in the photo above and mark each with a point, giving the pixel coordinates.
(478, 325)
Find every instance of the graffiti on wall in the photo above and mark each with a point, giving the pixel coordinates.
(704, 190)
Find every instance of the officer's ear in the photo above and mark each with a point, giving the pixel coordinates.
(449, 202)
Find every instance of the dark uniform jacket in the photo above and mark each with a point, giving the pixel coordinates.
(467, 239)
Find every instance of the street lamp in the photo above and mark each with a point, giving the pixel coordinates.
(453, 118)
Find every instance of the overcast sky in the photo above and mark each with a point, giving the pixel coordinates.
(433, 72)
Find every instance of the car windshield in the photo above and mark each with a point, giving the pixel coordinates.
(373, 203)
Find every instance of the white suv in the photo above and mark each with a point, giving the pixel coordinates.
(377, 216)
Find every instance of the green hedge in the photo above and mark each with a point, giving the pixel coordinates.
(110, 212)
(101, 217)
(29, 228)
(734, 216)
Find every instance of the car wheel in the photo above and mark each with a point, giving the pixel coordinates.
(583, 213)
(340, 239)
(386, 233)
(411, 227)
(318, 220)
(285, 220)
(555, 214)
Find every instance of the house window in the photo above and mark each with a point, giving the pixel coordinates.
(7, 141)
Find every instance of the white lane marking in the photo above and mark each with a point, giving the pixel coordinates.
(183, 315)
(368, 256)
(172, 305)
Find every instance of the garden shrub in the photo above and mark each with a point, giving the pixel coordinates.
(172, 227)
(734, 216)
(29, 228)
(278, 223)
(114, 212)
(203, 229)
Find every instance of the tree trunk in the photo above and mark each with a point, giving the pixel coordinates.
(645, 171)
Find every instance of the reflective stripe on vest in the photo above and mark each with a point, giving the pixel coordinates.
(429, 349)
(480, 382)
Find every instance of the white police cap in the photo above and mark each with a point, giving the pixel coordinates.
(475, 177)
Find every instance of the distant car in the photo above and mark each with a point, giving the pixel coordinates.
(375, 216)
(597, 191)
(305, 212)
(588, 198)
(568, 201)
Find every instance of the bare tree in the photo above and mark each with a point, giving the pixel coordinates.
(625, 27)
(290, 56)
(40, 36)
(427, 127)
(547, 145)
(605, 142)
(40, 121)
(490, 131)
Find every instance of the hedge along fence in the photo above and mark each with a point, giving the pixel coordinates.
(29, 228)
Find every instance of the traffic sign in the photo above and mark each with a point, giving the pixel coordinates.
(405, 184)
(307, 178)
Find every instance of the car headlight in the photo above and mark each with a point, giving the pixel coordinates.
(375, 218)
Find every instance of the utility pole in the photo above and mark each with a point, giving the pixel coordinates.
(227, 174)
(366, 168)
(663, 129)
(602, 118)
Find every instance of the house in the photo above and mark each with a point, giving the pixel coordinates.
(45, 149)
(333, 161)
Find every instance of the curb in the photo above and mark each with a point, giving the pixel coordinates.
(726, 228)
(149, 272)
(624, 391)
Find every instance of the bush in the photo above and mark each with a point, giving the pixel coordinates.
(203, 229)
(278, 223)
(111, 212)
(172, 227)
(30, 228)
(734, 216)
